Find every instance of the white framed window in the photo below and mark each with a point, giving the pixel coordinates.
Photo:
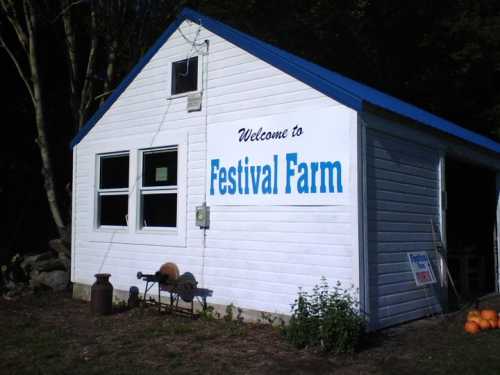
(112, 193)
(156, 213)
(158, 190)
(185, 76)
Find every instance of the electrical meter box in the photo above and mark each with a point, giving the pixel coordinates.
(203, 216)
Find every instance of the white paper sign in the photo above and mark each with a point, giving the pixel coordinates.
(161, 174)
(301, 158)
(421, 268)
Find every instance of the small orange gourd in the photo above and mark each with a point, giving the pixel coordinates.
(472, 313)
(484, 324)
(471, 328)
(489, 314)
(474, 319)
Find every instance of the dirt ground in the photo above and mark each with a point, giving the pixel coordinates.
(54, 334)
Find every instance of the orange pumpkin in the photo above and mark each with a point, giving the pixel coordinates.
(471, 327)
(498, 323)
(493, 323)
(484, 324)
(474, 319)
(489, 314)
(472, 313)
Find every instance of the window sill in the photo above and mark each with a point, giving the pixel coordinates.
(174, 237)
(158, 230)
(112, 228)
(184, 94)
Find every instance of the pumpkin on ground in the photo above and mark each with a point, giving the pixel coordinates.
(474, 319)
(471, 327)
(473, 313)
(484, 324)
(489, 314)
(493, 323)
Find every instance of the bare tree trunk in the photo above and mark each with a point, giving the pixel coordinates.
(43, 144)
(88, 82)
(110, 69)
(26, 28)
(70, 38)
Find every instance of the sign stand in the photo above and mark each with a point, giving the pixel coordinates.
(438, 248)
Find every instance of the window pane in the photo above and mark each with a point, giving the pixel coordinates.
(159, 210)
(159, 168)
(185, 75)
(114, 172)
(112, 209)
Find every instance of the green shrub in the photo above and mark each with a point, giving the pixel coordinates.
(325, 318)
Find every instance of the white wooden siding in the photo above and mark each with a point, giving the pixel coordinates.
(254, 257)
(403, 192)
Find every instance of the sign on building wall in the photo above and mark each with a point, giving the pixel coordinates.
(300, 158)
(421, 268)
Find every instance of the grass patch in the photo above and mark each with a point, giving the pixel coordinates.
(53, 334)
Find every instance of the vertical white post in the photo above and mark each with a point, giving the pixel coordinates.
(442, 217)
(364, 277)
(73, 274)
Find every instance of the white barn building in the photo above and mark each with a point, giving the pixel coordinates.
(306, 174)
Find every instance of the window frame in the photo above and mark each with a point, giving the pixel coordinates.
(132, 235)
(147, 190)
(110, 192)
(199, 81)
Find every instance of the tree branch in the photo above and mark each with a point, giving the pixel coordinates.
(10, 11)
(67, 8)
(86, 95)
(70, 40)
(22, 74)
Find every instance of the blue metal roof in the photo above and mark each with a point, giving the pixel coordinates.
(344, 90)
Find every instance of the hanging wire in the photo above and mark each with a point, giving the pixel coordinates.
(205, 127)
(138, 177)
(194, 47)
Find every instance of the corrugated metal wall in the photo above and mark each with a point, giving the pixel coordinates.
(402, 197)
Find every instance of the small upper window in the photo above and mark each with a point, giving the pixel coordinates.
(185, 76)
(112, 191)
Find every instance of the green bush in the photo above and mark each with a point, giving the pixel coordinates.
(327, 318)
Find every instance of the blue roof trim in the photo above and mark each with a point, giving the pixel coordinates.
(344, 90)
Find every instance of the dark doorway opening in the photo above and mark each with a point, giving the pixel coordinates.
(470, 226)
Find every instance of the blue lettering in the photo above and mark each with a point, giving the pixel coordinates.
(214, 165)
(290, 158)
(328, 166)
(255, 174)
(314, 169)
(266, 179)
(240, 169)
(222, 180)
(246, 175)
(231, 173)
(302, 183)
(275, 160)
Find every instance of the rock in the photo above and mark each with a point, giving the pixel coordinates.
(66, 261)
(10, 285)
(48, 265)
(56, 280)
(60, 247)
(18, 291)
(30, 260)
